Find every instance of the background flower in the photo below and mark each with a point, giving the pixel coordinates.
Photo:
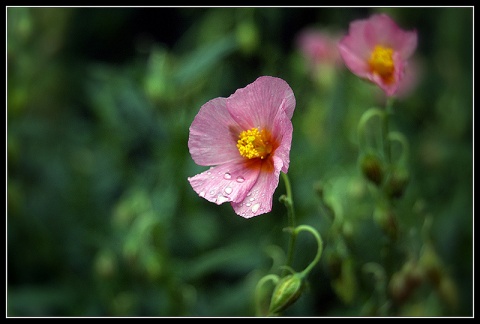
(376, 49)
(318, 46)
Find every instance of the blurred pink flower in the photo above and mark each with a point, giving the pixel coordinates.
(413, 76)
(246, 138)
(376, 49)
(318, 47)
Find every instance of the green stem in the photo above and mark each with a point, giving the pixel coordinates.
(367, 115)
(380, 285)
(288, 201)
(386, 142)
(258, 293)
(400, 138)
(307, 228)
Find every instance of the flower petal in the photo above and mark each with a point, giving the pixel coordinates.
(354, 59)
(407, 43)
(283, 130)
(380, 29)
(227, 182)
(213, 135)
(257, 104)
(356, 39)
(383, 30)
(259, 199)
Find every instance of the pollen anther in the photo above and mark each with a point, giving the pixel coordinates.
(381, 62)
(254, 143)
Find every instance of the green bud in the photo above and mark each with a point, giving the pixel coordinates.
(248, 37)
(386, 218)
(348, 229)
(372, 168)
(345, 286)
(334, 264)
(286, 292)
(319, 189)
(413, 273)
(404, 282)
(431, 264)
(105, 264)
(397, 182)
(448, 292)
(398, 287)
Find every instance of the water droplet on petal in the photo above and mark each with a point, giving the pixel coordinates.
(227, 176)
(221, 199)
(202, 194)
(252, 199)
(228, 190)
(255, 207)
(248, 204)
(212, 192)
(240, 179)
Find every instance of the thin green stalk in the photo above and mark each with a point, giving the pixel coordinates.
(317, 236)
(288, 201)
(386, 120)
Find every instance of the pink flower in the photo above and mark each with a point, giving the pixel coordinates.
(246, 138)
(376, 49)
(413, 76)
(318, 47)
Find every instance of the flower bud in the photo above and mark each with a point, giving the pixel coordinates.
(398, 288)
(248, 37)
(397, 182)
(431, 264)
(404, 282)
(448, 292)
(334, 264)
(386, 218)
(413, 273)
(372, 168)
(286, 292)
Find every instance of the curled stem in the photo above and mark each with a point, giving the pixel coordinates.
(385, 130)
(400, 138)
(317, 236)
(258, 294)
(319, 247)
(366, 117)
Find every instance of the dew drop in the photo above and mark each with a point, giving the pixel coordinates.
(221, 199)
(255, 207)
(240, 179)
(202, 194)
(212, 192)
(252, 199)
(227, 176)
(228, 190)
(248, 204)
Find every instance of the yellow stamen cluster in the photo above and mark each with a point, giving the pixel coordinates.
(253, 143)
(381, 62)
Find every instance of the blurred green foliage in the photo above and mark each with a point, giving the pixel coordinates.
(101, 220)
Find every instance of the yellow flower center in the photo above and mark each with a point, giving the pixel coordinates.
(381, 62)
(254, 143)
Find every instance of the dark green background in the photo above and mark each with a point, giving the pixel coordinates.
(101, 220)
